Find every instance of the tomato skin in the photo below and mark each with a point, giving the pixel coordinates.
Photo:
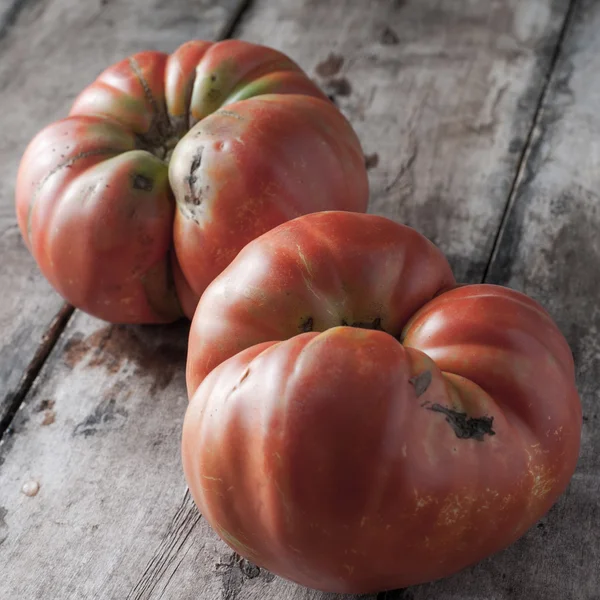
(355, 460)
(285, 155)
(103, 196)
(312, 274)
(97, 215)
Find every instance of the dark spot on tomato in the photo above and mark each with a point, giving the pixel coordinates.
(196, 163)
(464, 426)
(194, 197)
(141, 182)
(213, 94)
(244, 376)
(421, 382)
(213, 77)
(375, 324)
(306, 325)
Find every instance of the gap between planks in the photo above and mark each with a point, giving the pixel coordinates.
(529, 142)
(167, 557)
(47, 343)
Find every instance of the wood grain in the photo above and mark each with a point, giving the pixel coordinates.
(444, 96)
(550, 248)
(99, 434)
(49, 50)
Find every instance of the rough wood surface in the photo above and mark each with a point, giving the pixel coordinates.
(49, 50)
(99, 448)
(443, 96)
(550, 248)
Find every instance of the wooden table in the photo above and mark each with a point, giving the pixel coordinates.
(480, 122)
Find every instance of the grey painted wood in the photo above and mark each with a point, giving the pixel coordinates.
(443, 96)
(49, 50)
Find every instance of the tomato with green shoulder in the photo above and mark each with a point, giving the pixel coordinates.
(167, 165)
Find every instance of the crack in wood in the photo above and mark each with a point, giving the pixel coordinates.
(406, 166)
(11, 404)
(230, 27)
(166, 558)
(530, 142)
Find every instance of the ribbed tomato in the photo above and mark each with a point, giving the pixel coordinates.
(358, 422)
(168, 165)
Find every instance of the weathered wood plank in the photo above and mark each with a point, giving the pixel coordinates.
(549, 247)
(49, 50)
(99, 435)
(190, 563)
(443, 99)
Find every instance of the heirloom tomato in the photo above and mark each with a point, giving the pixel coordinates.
(359, 422)
(167, 165)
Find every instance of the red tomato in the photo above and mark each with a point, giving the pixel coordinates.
(168, 165)
(362, 423)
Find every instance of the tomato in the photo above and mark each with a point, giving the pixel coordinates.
(167, 165)
(359, 422)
